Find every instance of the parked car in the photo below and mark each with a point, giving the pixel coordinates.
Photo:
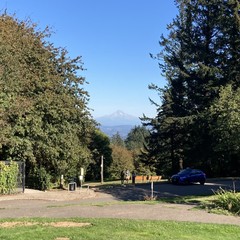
(187, 176)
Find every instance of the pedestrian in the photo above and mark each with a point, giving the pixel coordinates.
(133, 177)
(122, 176)
(128, 175)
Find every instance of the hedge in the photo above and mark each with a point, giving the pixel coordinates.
(8, 177)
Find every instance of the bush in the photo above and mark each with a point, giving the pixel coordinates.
(8, 177)
(228, 200)
(39, 179)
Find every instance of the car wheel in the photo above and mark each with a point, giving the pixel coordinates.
(187, 181)
(176, 181)
(202, 182)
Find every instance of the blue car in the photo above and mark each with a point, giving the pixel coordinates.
(187, 176)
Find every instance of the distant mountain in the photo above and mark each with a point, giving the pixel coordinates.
(123, 130)
(118, 118)
(118, 122)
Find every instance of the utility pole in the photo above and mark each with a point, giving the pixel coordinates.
(102, 169)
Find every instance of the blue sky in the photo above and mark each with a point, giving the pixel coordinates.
(114, 38)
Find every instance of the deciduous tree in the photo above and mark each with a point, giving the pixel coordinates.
(43, 107)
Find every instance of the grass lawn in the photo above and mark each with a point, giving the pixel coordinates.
(42, 229)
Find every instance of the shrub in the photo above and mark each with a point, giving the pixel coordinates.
(39, 179)
(8, 177)
(228, 200)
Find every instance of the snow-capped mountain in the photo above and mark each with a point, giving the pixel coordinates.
(118, 122)
(118, 118)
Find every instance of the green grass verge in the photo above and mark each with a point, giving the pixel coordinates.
(197, 200)
(115, 229)
(222, 202)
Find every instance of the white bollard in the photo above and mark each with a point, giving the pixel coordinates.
(152, 189)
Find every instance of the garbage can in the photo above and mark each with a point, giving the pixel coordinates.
(72, 186)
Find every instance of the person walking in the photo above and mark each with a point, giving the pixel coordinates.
(128, 175)
(122, 177)
(133, 177)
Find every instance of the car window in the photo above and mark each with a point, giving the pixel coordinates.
(189, 171)
(185, 171)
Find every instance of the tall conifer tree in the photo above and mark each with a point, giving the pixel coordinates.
(200, 54)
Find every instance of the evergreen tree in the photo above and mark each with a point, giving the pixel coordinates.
(224, 120)
(200, 54)
(136, 142)
(136, 138)
(117, 140)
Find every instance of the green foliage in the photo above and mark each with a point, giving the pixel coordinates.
(136, 142)
(224, 122)
(198, 57)
(117, 140)
(43, 105)
(122, 159)
(226, 115)
(99, 146)
(227, 200)
(8, 177)
(136, 138)
(39, 179)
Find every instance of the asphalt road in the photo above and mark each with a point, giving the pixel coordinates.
(106, 202)
(164, 189)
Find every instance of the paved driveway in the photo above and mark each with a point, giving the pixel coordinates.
(165, 189)
(112, 202)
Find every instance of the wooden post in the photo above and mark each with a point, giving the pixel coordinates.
(102, 169)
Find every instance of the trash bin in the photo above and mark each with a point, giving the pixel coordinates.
(72, 186)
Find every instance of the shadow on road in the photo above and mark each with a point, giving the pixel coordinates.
(140, 192)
